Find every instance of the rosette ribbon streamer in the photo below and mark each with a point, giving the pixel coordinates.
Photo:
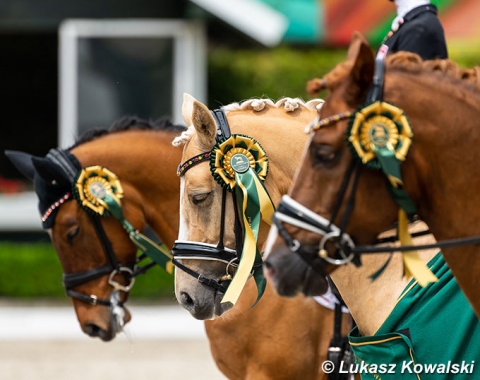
(99, 192)
(380, 136)
(240, 164)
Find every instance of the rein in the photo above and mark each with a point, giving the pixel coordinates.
(339, 349)
(129, 271)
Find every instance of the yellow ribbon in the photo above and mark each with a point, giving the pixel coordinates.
(250, 248)
(412, 263)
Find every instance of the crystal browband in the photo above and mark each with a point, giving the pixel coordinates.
(191, 162)
(61, 201)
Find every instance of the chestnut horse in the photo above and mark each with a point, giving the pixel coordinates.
(276, 338)
(338, 205)
(141, 155)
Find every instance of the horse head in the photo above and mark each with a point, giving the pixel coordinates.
(96, 220)
(335, 202)
(213, 222)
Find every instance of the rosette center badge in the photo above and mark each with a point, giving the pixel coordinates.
(240, 162)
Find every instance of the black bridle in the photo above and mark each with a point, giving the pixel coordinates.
(339, 350)
(189, 250)
(292, 212)
(113, 267)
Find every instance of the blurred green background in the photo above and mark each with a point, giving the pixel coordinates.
(29, 268)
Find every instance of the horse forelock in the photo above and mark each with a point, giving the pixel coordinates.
(184, 137)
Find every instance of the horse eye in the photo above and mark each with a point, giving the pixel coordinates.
(199, 198)
(71, 233)
(324, 154)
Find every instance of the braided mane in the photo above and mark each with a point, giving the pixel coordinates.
(127, 123)
(257, 105)
(289, 104)
(413, 63)
(404, 61)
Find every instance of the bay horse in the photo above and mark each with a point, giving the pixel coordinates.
(276, 338)
(140, 153)
(340, 202)
(96, 253)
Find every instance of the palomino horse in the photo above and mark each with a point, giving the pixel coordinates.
(134, 150)
(96, 254)
(339, 204)
(277, 338)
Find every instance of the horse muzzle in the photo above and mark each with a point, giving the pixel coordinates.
(200, 292)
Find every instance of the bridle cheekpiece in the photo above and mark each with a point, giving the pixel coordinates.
(98, 191)
(379, 135)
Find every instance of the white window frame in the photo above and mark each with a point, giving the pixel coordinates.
(189, 66)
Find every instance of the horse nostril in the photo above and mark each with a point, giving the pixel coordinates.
(92, 330)
(186, 300)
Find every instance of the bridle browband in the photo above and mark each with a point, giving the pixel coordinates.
(113, 267)
(189, 250)
(293, 213)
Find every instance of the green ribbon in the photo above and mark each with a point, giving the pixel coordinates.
(240, 165)
(98, 191)
(413, 265)
(256, 206)
(158, 253)
(378, 272)
(390, 166)
(380, 135)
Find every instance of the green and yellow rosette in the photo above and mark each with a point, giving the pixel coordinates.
(99, 192)
(96, 188)
(240, 165)
(380, 135)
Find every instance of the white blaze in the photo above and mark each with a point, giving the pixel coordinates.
(272, 236)
(183, 230)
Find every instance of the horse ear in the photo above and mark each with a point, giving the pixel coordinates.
(197, 114)
(204, 124)
(361, 74)
(357, 40)
(22, 161)
(50, 171)
(187, 108)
